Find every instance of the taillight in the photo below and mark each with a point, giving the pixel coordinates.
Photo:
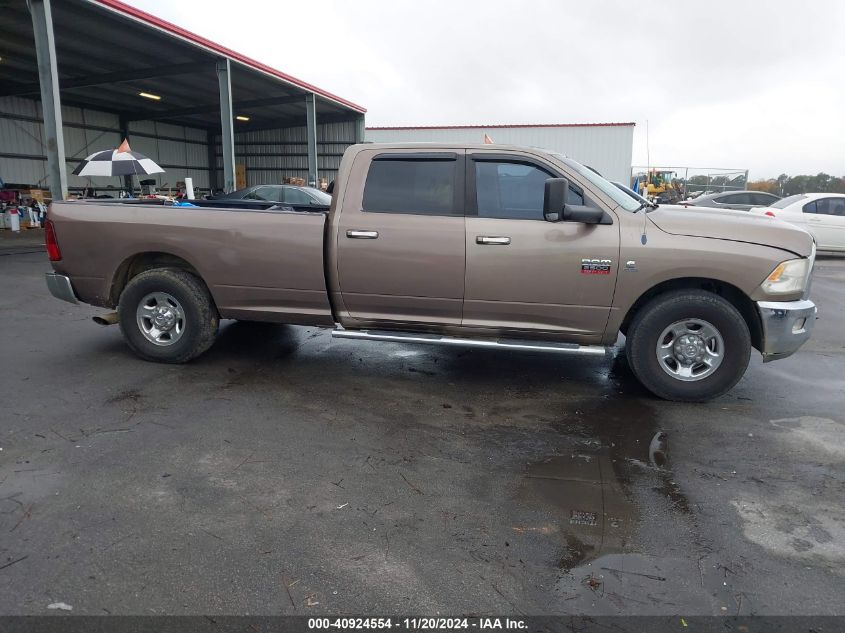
(770, 214)
(53, 251)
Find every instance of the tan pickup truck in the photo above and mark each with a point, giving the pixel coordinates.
(490, 245)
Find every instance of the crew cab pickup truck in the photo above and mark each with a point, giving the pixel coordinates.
(494, 246)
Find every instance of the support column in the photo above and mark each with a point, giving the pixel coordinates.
(359, 129)
(227, 137)
(123, 122)
(211, 143)
(311, 134)
(51, 108)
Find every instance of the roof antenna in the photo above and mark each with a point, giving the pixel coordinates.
(644, 237)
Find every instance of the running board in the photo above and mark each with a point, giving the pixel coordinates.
(436, 339)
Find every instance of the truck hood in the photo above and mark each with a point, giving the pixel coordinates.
(736, 226)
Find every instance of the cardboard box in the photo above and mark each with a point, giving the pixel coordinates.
(35, 194)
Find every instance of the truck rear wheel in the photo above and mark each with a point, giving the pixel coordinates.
(167, 315)
(688, 345)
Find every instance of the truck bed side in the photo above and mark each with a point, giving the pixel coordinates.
(258, 265)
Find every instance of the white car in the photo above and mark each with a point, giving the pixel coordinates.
(820, 214)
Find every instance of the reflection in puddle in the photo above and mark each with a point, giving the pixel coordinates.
(406, 353)
(588, 491)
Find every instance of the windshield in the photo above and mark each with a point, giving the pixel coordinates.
(321, 196)
(629, 192)
(785, 202)
(621, 198)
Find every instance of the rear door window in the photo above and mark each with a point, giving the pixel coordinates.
(810, 207)
(735, 198)
(762, 199)
(425, 186)
(270, 194)
(295, 196)
(831, 206)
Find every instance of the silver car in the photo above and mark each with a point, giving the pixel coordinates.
(741, 200)
(283, 194)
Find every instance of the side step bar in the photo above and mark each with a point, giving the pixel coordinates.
(437, 339)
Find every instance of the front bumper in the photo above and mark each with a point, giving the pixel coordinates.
(786, 326)
(61, 288)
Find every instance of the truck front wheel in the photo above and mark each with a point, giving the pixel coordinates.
(688, 345)
(167, 315)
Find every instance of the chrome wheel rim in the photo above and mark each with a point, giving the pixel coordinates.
(690, 350)
(160, 318)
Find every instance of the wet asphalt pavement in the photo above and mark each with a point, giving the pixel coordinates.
(285, 472)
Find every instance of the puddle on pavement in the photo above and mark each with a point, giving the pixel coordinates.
(608, 451)
(587, 488)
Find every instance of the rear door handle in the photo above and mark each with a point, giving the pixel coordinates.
(492, 241)
(358, 234)
(814, 219)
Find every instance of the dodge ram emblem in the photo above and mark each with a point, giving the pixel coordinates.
(595, 266)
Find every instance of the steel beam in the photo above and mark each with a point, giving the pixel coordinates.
(111, 78)
(359, 129)
(211, 143)
(24, 54)
(102, 128)
(277, 124)
(123, 124)
(239, 106)
(79, 160)
(48, 75)
(311, 136)
(227, 136)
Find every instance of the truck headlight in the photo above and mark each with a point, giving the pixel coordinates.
(788, 277)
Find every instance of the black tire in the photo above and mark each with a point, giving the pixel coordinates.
(200, 319)
(658, 314)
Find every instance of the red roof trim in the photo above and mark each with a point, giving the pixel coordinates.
(493, 127)
(178, 31)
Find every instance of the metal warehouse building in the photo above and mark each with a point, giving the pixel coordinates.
(606, 147)
(77, 76)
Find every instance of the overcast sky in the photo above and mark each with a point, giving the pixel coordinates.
(746, 84)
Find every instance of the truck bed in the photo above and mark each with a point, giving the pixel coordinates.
(258, 263)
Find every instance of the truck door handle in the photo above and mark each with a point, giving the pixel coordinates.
(358, 234)
(492, 241)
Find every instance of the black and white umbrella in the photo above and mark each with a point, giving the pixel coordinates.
(117, 162)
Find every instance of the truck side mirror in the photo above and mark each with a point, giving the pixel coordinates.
(554, 198)
(585, 215)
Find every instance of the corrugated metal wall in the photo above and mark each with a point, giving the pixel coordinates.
(21, 135)
(606, 148)
(181, 151)
(271, 155)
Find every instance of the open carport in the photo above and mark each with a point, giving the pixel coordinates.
(77, 76)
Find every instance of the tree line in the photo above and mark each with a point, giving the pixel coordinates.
(785, 185)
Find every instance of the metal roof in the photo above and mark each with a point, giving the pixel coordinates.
(108, 52)
(499, 126)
